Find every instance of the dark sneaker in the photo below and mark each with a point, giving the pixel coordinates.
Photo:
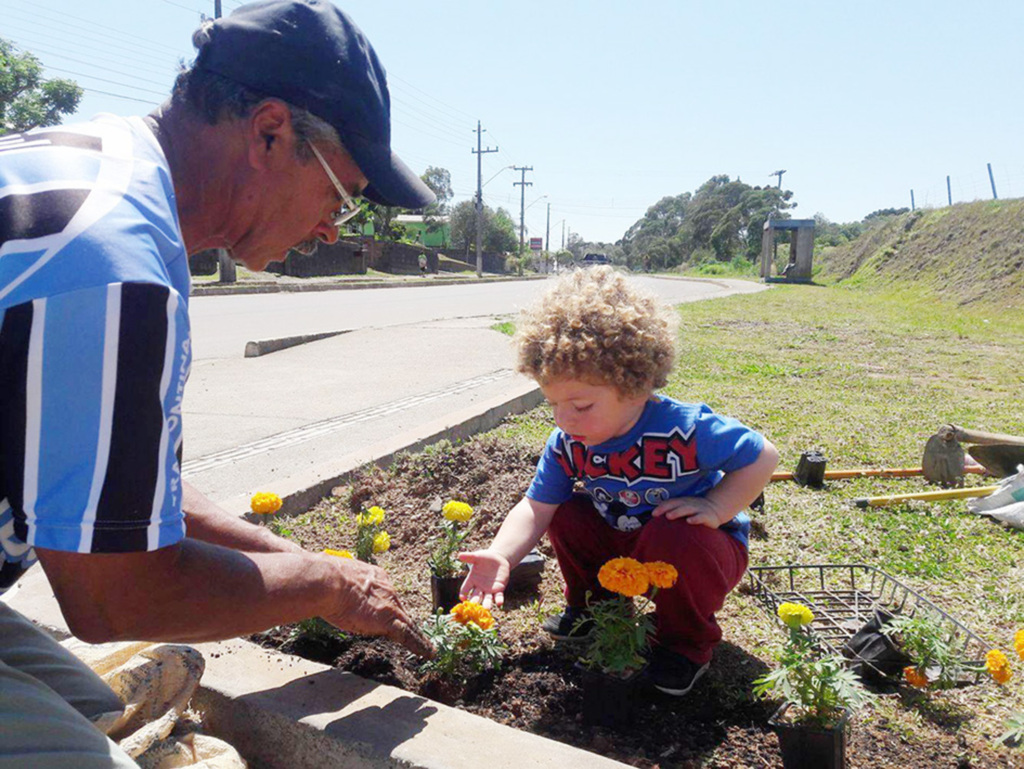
(563, 627)
(673, 673)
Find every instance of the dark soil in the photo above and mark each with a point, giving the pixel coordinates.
(538, 689)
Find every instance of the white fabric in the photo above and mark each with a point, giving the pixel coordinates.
(1006, 503)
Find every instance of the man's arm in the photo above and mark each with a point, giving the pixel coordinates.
(195, 591)
(210, 523)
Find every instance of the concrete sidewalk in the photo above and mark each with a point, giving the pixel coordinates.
(297, 420)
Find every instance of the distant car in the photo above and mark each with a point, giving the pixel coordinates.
(591, 259)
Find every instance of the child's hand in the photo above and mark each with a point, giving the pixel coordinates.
(696, 510)
(487, 578)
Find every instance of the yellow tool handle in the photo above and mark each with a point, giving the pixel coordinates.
(928, 496)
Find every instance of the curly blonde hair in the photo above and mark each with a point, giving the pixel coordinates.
(595, 324)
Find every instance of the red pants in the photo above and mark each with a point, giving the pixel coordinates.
(710, 564)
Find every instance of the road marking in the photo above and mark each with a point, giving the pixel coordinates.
(323, 427)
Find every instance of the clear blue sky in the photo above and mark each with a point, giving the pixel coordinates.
(616, 104)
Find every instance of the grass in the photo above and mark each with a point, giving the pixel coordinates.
(864, 377)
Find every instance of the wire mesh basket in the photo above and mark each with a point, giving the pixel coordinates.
(845, 597)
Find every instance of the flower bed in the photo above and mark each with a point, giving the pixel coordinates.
(537, 688)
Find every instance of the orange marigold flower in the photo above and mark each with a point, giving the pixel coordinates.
(915, 677)
(265, 503)
(1018, 643)
(625, 576)
(998, 666)
(661, 574)
(468, 611)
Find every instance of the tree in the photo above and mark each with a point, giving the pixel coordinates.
(26, 100)
(440, 183)
(498, 233)
(722, 220)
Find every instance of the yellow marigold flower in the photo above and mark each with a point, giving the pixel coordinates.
(467, 612)
(625, 576)
(338, 553)
(998, 666)
(265, 503)
(661, 574)
(381, 542)
(915, 677)
(372, 517)
(457, 511)
(1018, 643)
(795, 615)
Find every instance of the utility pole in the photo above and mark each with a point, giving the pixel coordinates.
(224, 261)
(479, 152)
(522, 201)
(912, 206)
(547, 239)
(563, 234)
(949, 191)
(778, 174)
(992, 181)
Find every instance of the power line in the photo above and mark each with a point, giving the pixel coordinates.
(80, 34)
(406, 82)
(104, 80)
(179, 5)
(121, 60)
(97, 66)
(36, 7)
(120, 96)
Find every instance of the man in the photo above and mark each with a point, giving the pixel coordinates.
(281, 122)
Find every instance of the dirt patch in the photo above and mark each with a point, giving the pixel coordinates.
(537, 688)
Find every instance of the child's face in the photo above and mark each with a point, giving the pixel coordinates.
(592, 413)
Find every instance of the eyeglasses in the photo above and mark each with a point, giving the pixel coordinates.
(349, 207)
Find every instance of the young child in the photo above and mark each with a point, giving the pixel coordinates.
(663, 480)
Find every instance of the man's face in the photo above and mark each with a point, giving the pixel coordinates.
(289, 201)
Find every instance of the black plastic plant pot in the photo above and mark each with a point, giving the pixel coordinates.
(610, 700)
(807, 746)
(444, 591)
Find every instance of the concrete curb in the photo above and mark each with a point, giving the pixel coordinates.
(279, 288)
(309, 488)
(284, 711)
(266, 346)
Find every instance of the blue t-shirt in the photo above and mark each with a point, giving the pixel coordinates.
(674, 450)
(94, 343)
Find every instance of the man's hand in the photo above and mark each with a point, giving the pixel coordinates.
(370, 606)
(487, 578)
(696, 510)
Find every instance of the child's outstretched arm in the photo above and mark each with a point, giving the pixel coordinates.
(734, 493)
(489, 569)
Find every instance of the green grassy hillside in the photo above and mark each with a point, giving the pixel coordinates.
(967, 253)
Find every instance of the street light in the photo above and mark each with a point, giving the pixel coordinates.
(522, 221)
(505, 168)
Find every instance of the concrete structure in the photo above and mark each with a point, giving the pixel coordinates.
(801, 249)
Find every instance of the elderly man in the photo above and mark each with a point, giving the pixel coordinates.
(282, 121)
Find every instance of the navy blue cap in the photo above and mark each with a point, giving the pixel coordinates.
(309, 53)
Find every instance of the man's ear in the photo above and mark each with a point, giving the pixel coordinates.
(270, 133)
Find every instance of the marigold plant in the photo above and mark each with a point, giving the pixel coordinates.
(621, 630)
(929, 646)
(457, 511)
(915, 677)
(795, 615)
(381, 542)
(443, 561)
(371, 539)
(818, 687)
(661, 575)
(625, 576)
(465, 640)
(1018, 643)
(998, 666)
(265, 503)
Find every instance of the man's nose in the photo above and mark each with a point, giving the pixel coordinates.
(327, 233)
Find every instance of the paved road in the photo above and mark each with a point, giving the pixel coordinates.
(416, 361)
(221, 325)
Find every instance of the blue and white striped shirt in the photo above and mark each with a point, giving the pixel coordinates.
(94, 343)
